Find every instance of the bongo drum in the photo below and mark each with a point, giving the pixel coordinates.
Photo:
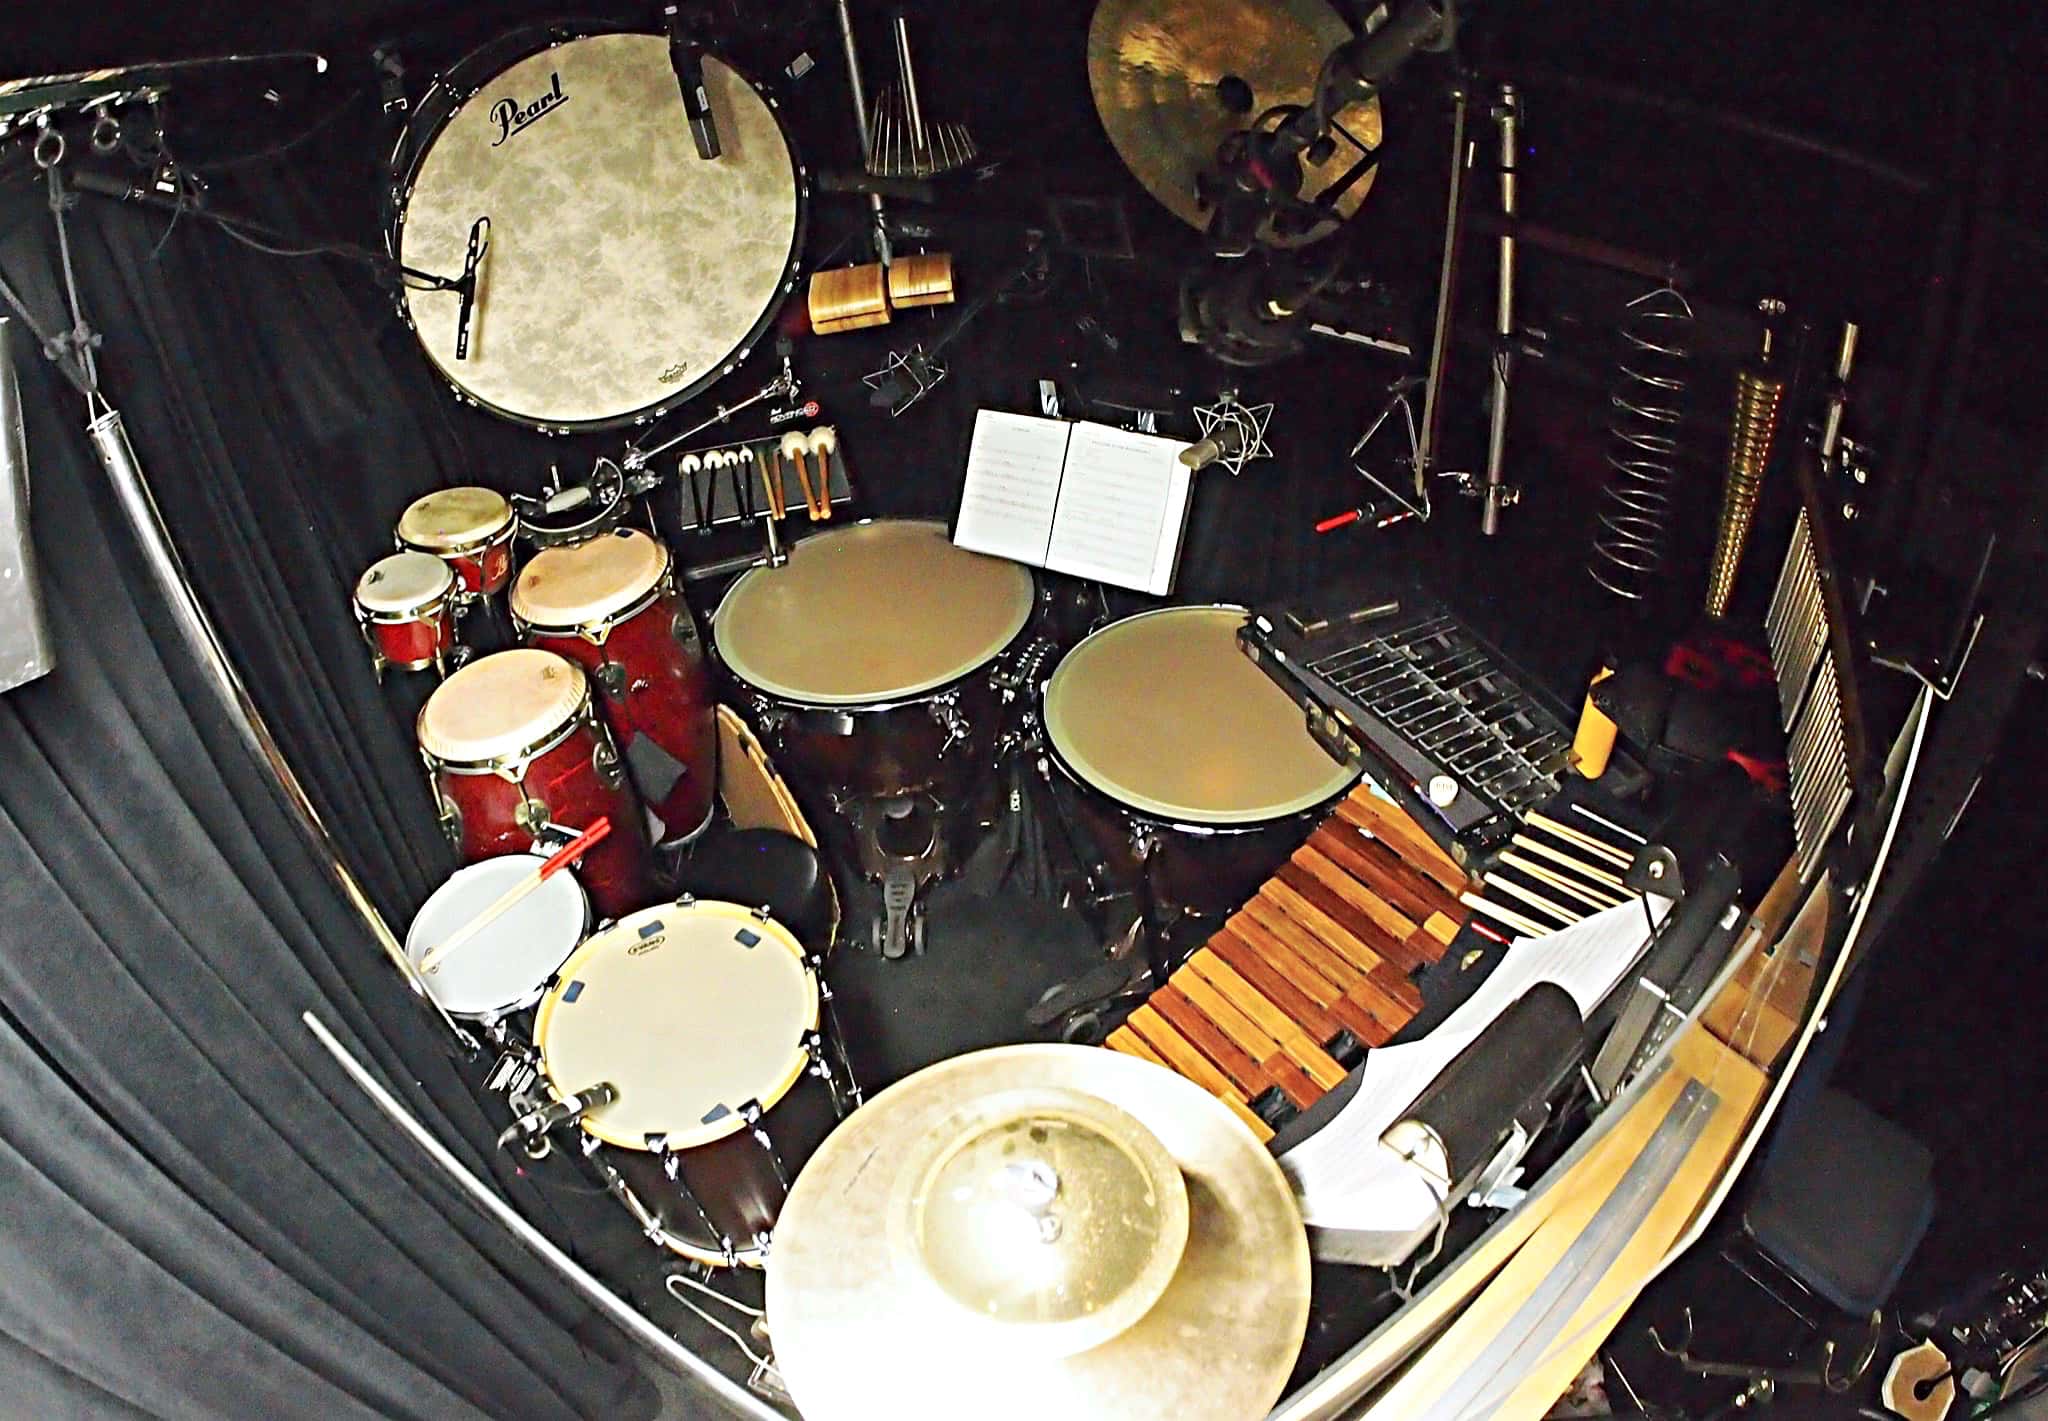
(1188, 767)
(705, 1019)
(405, 605)
(512, 744)
(504, 968)
(610, 605)
(470, 529)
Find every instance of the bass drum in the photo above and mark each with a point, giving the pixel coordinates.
(620, 274)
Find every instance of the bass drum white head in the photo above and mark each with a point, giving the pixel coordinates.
(623, 272)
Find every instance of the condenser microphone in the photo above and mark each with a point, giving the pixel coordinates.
(535, 1123)
(1226, 441)
(686, 56)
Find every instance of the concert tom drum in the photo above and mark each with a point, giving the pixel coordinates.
(505, 966)
(705, 1018)
(616, 273)
(610, 605)
(1190, 770)
(513, 744)
(866, 654)
(470, 529)
(405, 605)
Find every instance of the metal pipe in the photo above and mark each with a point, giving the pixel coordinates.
(1447, 281)
(629, 1320)
(1507, 114)
(109, 437)
(860, 124)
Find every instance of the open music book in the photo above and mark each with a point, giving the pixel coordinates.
(1087, 499)
(1362, 1202)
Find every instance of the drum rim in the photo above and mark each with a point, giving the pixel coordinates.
(533, 993)
(699, 1135)
(417, 141)
(914, 694)
(583, 712)
(1158, 811)
(596, 629)
(497, 532)
(444, 588)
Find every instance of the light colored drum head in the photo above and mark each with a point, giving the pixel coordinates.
(1162, 712)
(589, 581)
(623, 271)
(403, 582)
(691, 1011)
(453, 518)
(875, 612)
(500, 705)
(505, 965)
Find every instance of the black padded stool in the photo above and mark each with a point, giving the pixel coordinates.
(763, 867)
(1845, 1198)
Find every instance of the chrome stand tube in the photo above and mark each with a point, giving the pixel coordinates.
(858, 88)
(1498, 495)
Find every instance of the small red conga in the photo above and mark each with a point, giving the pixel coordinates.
(512, 744)
(405, 606)
(470, 529)
(610, 605)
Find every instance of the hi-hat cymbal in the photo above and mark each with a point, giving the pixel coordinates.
(1006, 1235)
(1159, 68)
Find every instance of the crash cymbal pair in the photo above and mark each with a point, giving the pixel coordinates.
(1034, 1232)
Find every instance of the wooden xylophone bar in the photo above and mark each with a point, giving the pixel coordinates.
(1285, 998)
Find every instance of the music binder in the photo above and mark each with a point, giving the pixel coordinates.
(1077, 497)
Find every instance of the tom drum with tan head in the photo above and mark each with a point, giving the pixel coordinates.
(470, 529)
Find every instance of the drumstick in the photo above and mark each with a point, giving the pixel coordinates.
(1598, 847)
(824, 442)
(771, 484)
(574, 849)
(794, 446)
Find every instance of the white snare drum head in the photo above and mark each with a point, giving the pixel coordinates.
(403, 582)
(505, 965)
(588, 581)
(622, 270)
(500, 705)
(454, 518)
(1162, 712)
(691, 1011)
(870, 613)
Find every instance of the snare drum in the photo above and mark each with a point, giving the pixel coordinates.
(405, 605)
(1190, 769)
(705, 1018)
(618, 274)
(512, 744)
(470, 529)
(504, 968)
(610, 605)
(865, 655)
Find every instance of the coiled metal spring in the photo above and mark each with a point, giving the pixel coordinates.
(1645, 407)
(1755, 427)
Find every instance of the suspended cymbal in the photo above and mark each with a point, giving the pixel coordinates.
(1159, 68)
(1039, 1232)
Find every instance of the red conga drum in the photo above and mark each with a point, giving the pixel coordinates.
(470, 529)
(405, 605)
(512, 744)
(610, 605)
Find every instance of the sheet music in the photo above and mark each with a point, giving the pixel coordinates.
(1344, 1177)
(1014, 465)
(1122, 508)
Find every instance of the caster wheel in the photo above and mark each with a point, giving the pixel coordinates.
(917, 933)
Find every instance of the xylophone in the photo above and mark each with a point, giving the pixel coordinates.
(1273, 1010)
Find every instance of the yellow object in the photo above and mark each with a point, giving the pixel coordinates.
(1594, 743)
(849, 298)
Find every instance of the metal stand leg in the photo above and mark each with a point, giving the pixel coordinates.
(1499, 495)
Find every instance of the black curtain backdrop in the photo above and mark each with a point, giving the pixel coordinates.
(201, 1217)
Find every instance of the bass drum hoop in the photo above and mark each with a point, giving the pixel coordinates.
(462, 81)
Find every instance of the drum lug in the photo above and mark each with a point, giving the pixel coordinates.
(769, 718)
(760, 912)
(945, 709)
(605, 760)
(684, 629)
(611, 677)
(531, 815)
(1144, 842)
(450, 816)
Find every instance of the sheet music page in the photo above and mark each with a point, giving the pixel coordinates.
(1014, 465)
(1122, 508)
(1344, 1177)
